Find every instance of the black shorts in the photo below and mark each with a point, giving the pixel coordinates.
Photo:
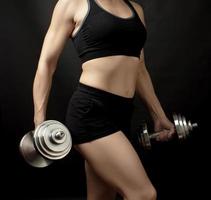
(94, 113)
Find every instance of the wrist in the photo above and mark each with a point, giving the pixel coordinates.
(158, 115)
(38, 120)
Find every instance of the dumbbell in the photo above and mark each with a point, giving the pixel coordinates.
(50, 141)
(182, 129)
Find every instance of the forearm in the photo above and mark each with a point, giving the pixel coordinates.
(145, 90)
(41, 90)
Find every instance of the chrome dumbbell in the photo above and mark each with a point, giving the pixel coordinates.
(182, 129)
(50, 141)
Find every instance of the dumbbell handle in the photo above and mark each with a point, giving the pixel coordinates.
(59, 135)
(154, 135)
(194, 125)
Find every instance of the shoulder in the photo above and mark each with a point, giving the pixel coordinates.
(67, 8)
(137, 6)
(68, 3)
(139, 10)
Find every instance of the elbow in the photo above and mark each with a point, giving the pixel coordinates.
(47, 66)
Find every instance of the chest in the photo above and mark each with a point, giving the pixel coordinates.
(102, 27)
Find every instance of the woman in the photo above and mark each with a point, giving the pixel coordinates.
(109, 36)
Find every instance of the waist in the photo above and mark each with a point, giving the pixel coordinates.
(117, 75)
(104, 94)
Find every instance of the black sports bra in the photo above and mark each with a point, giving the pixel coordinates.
(104, 34)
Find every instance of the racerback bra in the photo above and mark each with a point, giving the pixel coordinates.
(104, 34)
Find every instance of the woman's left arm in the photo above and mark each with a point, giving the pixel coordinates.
(145, 90)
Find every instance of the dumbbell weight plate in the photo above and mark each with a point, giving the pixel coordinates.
(46, 146)
(177, 126)
(59, 146)
(45, 139)
(29, 152)
(183, 131)
(185, 126)
(182, 128)
(144, 137)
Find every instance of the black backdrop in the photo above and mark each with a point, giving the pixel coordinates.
(178, 57)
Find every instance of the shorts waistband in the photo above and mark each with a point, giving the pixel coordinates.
(102, 93)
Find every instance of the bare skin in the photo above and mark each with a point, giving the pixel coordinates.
(111, 163)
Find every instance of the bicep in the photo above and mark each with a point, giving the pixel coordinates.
(59, 31)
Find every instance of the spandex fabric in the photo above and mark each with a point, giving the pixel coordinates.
(102, 33)
(94, 113)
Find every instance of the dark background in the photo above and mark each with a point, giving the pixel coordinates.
(178, 57)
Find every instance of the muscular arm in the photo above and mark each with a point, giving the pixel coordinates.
(60, 29)
(145, 90)
(144, 86)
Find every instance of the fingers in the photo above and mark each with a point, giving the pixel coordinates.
(165, 135)
(171, 132)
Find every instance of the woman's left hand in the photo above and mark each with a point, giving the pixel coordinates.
(165, 127)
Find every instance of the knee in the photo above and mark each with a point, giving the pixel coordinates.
(101, 196)
(147, 193)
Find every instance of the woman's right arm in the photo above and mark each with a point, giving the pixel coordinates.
(60, 29)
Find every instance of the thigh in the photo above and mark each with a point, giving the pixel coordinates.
(114, 159)
(97, 188)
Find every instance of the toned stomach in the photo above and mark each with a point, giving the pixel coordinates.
(114, 74)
